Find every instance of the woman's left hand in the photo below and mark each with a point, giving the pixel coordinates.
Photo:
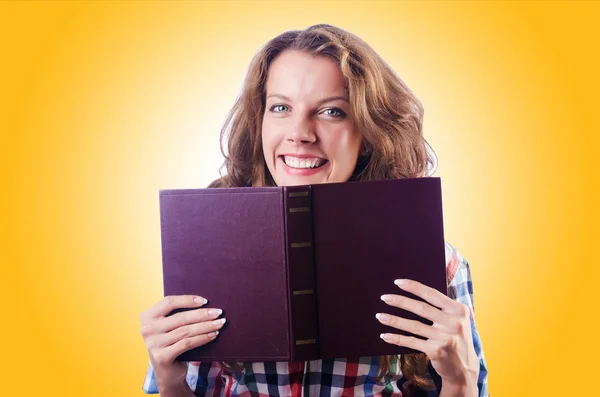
(448, 344)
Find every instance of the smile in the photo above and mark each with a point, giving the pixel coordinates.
(303, 162)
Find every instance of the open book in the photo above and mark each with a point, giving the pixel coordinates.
(299, 270)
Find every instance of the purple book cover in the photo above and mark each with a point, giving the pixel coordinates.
(367, 235)
(232, 246)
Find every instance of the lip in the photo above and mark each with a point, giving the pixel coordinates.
(301, 171)
(302, 156)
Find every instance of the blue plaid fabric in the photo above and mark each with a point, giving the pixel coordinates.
(328, 378)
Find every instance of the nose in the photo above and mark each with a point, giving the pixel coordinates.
(302, 131)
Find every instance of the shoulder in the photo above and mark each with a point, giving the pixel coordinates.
(452, 261)
(456, 264)
(458, 274)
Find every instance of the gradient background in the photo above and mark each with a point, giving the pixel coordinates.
(105, 103)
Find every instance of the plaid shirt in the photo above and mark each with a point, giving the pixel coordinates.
(325, 378)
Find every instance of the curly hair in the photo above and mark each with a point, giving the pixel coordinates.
(385, 111)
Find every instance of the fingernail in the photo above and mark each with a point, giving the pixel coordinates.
(201, 300)
(400, 282)
(387, 298)
(219, 321)
(213, 334)
(385, 336)
(215, 312)
(382, 317)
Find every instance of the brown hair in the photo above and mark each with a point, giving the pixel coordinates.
(385, 111)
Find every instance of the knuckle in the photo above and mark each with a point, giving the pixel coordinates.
(150, 344)
(169, 302)
(420, 307)
(436, 353)
(449, 342)
(412, 327)
(201, 340)
(204, 338)
(146, 331)
(427, 295)
(459, 327)
(395, 322)
(191, 316)
(454, 342)
(398, 323)
(184, 332)
(199, 314)
(204, 315)
(161, 358)
(143, 316)
(465, 312)
(188, 343)
(185, 317)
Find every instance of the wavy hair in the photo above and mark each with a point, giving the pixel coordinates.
(385, 111)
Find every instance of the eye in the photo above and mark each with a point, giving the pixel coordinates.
(334, 112)
(278, 108)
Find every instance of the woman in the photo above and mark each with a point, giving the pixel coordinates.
(321, 106)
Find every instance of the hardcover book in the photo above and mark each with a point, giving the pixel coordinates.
(299, 270)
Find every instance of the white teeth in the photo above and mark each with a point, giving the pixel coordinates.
(295, 162)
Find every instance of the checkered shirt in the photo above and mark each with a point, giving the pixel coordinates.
(329, 378)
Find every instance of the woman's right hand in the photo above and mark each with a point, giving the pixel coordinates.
(168, 337)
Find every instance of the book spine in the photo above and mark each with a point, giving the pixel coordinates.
(301, 274)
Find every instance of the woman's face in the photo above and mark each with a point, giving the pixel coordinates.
(308, 136)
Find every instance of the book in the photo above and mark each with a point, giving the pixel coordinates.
(299, 270)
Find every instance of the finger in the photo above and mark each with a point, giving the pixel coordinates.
(189, 331)
(168, 354)
(172, 302)
(184, 318)
(422, 309)
(407, 341)
(411, 326)
(428, 294)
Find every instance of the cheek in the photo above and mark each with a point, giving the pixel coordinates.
(268, 128)
(268, 144)
(344, 147)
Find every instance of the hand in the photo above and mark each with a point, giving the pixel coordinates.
(448, 344)
(168, 337)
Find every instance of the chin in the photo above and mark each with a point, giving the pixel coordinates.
(299, 181)
(296, 181)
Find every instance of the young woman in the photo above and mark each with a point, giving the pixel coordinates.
(320, 106)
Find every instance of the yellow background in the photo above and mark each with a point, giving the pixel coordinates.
(105, 103)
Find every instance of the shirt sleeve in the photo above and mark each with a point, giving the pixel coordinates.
(150, 387)
(460, 288)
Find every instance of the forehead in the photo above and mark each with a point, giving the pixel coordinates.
(297, 74)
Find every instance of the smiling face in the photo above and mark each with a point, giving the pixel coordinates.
(308, 136)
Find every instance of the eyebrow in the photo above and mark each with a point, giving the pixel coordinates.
(322, 101)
